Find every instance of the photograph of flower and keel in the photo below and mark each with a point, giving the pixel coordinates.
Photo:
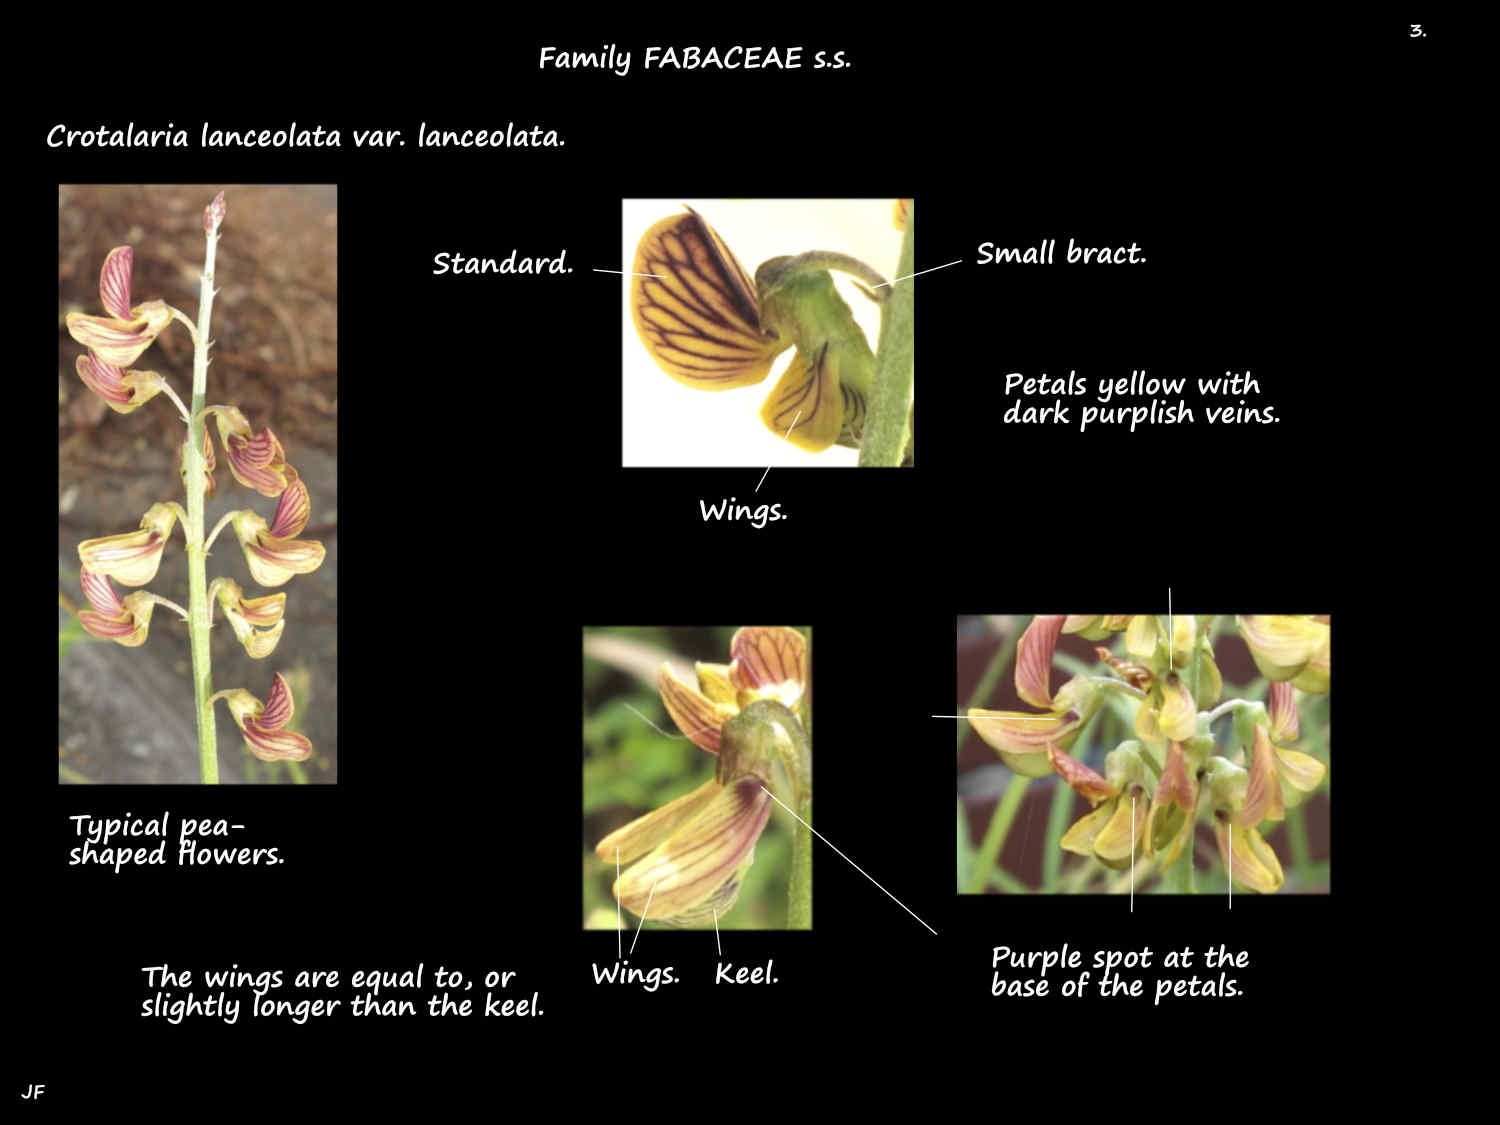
(796, 316)
(1180, 748)
(197, 484)
(697, 747)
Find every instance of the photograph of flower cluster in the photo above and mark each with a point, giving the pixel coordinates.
(697, 768)
(1144, 753)
(197, 419)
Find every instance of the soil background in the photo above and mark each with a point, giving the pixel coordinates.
(126, 715)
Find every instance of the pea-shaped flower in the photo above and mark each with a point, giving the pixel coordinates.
(122, 391)
(1115, 830)
(685, 862)
(256, 459)
(1289, 647)
(132, 558)
(119, 338)
(1022, 738)
(263, 724)
(274, 553)
(257, 622)
(123, 621)
(708, 325)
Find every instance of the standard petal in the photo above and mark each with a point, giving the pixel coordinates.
(292, 510)
(1282, 705)
(769, 662)
(1034, 659)
(264, 611)
(696, 862)
(100, 592)
(698, 313)
(114, 282)
(644, 833)
(258, 462)
(279, 705)
(695, 714)
(1263, 795)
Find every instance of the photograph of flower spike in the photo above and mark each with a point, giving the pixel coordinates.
(1144, 753)
(697, 748)
(197, 330)
(810, 298)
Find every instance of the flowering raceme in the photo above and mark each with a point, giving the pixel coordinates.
(686, 861)
(256, 459)
(1147, 802)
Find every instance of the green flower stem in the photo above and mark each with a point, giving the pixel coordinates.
(816, 260)
(799, 891)
(994, 837)
(888, 429)
(199, 607)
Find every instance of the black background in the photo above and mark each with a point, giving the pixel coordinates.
(1260, 165)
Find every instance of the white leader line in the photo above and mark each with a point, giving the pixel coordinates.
(846, 859)
(919, 273)
(642, 922)
(783, 438)
(622, 272)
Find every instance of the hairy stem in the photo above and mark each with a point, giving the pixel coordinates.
(199, 607)
(799, 892)
(889, 428)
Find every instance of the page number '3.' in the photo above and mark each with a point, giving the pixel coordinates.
(1417, 32)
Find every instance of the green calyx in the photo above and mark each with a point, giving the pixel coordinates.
(766, 741)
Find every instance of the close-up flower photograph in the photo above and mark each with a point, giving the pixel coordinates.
(697, 778)
(1144, 753)
(197, 484)
(768, 332)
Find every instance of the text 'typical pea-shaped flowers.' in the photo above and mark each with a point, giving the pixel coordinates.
(687, 860)
(273, 553)
(119, 338)
(1021, 738)
(263, 724)
(132, 558)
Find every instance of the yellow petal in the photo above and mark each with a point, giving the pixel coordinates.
(1302, 771)
(1281, 644)
(1252, 863)
(699, 316)
(1079, 839)
(1115, 841)
(697, 716)
(1263, 795)
(1140, 637)
(1034, 659)
(806, 407)
(646, 832)
(1179, 712)
(714, 683)
(1018, 732)
(695, 864)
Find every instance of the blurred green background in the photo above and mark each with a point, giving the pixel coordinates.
(629, 768)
